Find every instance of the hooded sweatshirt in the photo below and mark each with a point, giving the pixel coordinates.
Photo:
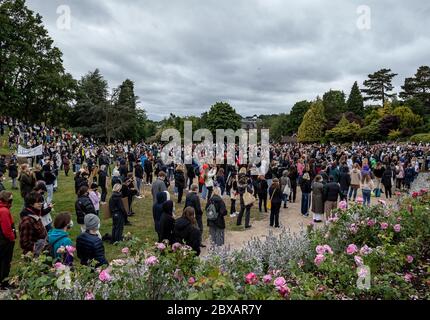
(186, 233)
(167, 222)
(59, 238)
(157, 209)
(6, 223)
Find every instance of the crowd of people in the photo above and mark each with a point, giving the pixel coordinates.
(325, 175)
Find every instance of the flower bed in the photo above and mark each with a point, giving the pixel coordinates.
(363, 253)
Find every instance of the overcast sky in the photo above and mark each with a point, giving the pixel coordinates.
(261, 56)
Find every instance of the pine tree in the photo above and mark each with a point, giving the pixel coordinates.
(313, 124)
(355, 101)
(418, 87)
(379, 85)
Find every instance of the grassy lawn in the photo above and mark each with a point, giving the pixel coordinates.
(142, 222)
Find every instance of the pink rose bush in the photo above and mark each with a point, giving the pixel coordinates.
(351, 249)
(397, 228)
(104, 276)
(151, 261)
(160, 246)
(384, 225)
(251, 278)
(343, 205)
(320, 258)
(409, 259)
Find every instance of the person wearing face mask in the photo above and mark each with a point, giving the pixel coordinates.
(31, 228)
(59, 237)
(89, 246)
(7, 236)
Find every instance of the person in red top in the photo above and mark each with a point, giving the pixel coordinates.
(7, 236)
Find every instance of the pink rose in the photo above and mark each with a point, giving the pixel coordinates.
(351, 249)
(320, 249)
(284, 291)
(152, 260)
(279, 282)
(415, 194)
(251, 278)
(424, 191)
(125, 250)
(319, 259)
(328, 249)
(89, 296)
(161, 246)
(59, 266)
(409, 259)
(371, 223)
(359, 200)
(408, 277)
(267, 278)
(353, 228)
(191, 281)
(104, 276)
(397, 193)
(384, 225)
(397, 228)
(176, 246)
(342, 205)
(365, 250)
(358, 260)
(70, 250)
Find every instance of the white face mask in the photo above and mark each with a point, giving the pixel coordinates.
(71, 224)
(98, 226)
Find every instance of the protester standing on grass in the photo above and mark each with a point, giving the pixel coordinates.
(186, 231)
(217, 226)
(27, 180)
(158, 186)
(83, 206)
(318, 199)
(167, 223)
(119, 213)
(180, 181)
(31, 228)
(13, 173)
(89, 246)
(95, 197)
(275, 194)
(138, 173)
(103, 183)
(59, 237)
(7, 236)
(192, 200)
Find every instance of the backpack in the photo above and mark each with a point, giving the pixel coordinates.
(43, 245)
(211, 212)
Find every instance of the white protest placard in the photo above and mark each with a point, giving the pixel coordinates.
(32, 152)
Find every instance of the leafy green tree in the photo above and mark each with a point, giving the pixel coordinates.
(334, 103)
(313, 124)
(418, 87)
(126, 104)
(345, 131)
(223, 116)
(279, 127)
(296, 116)
(379, 85)
(355, 101)
(370, 132)
(33, 83)
(407, 118)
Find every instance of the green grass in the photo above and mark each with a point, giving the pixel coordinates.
(142, 222)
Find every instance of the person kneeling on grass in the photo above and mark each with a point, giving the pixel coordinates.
(88, 244)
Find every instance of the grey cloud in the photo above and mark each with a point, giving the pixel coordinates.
(260, 55)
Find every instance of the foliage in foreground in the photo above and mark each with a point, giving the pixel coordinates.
(363, 253)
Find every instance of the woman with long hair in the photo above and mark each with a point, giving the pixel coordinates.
(366, 188)
(275, 194)
(186, 230)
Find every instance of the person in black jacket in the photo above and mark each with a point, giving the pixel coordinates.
(191, 174)
(49, 178)
(217, 227)
(262, 187)
(331, 194)
(157, 210)
(138, 173)
(13, 173)
(89, 246)
(192, 200)
(167, 223)
(186, 231)
(275, 193)
(293, 175)
(344, 181)
(102, 182)
(119, 213)
(81, 180)
(244, 186)
(180, 182)
(386, 180)
(83, 206)
(147, 165)
(306, 187)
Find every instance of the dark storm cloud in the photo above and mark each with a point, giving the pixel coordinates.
(259, 55)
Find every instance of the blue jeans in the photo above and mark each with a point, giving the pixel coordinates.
(204, 192)
(138, 184)
(366, 197)
(305, 203)
(285, 199)
(352, 193)
(77, 167)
